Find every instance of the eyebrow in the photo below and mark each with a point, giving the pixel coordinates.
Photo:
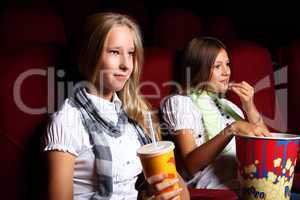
(119, 47)
(221, 61)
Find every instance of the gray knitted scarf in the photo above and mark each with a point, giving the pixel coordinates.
(97, 127)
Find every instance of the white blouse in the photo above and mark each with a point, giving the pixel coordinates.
(180, 112)
(67, 133)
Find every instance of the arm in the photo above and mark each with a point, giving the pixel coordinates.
(60, 175)
(246, 94)
(197, 158)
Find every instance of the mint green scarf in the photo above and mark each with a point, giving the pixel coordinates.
(211, 117)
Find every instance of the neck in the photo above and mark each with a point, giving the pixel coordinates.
(107, 95)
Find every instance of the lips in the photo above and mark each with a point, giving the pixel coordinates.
(121, 76)
(224, 82)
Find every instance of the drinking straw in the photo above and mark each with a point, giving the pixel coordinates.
(150, 125)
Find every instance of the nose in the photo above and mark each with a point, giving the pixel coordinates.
(125, 62)
(225, 70)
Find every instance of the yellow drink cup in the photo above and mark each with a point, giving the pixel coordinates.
(159, 159)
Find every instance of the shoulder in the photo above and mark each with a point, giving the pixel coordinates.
(177, 100)
(65, 130)
(180, 112)
(67, 114)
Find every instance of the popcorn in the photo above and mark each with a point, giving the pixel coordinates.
(288, 164)
(291, 172)
(277, 162)
(271, 177)
(272, 187)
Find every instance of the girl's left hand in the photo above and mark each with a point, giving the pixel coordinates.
(246, 93)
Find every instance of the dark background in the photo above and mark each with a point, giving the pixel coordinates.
(272, 24)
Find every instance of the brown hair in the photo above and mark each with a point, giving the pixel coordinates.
(94, 36)
(199, 57)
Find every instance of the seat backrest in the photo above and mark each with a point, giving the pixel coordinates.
(177, 27)
(157, 73)
(27, 66)
(27, 26)
(252, 63)
(290, 56)
(221, 27)
(27, 83)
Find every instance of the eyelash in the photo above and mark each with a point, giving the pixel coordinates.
(218, 66)
(114, 52)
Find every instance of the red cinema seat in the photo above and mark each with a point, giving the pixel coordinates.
(28, 26)
(212, 194)
(27, 60)
(290, 57)
(222, 28)
(157, 75)
(175, 28)
(252, 63)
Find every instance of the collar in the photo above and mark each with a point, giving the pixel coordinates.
(108, 109)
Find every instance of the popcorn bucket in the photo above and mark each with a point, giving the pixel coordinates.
(266, 165)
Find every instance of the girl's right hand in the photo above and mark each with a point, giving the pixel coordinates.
(245, 128)
(158, 183)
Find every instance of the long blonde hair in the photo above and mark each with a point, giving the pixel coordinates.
(94, 36)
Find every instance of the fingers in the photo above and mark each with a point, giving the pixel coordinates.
(241, 84)
(165, 184)
(266, 132)
(241, 94)
(159, 183)
(170, 195)
(244, 87)
(245, 128)
(156, 178)
(258, 131)
(245, 92)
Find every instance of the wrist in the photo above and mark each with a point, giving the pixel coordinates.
(231, 129)
(258, 120)
(248, 106)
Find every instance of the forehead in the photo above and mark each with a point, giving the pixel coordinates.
(222, 55)
(120, 36)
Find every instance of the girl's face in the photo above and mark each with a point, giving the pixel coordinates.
(220, 73)
(116, 60)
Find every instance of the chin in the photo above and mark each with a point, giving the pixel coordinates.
(119, 87)
(222, 90)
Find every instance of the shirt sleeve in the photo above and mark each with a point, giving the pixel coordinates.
(64, 133)
(179, 112)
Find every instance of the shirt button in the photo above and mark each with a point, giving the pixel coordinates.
(222, 114)
(227, 116)
(127, 162)
(227, 124)
(199, 136)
